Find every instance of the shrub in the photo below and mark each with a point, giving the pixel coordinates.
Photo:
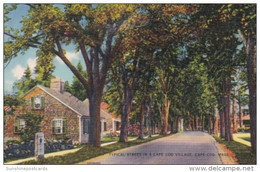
(33, 125)
(112, 134)
(134, 129)
(62, 138)
(13, 141)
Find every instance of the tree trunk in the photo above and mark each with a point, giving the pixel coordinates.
(149, 115)
(165, 114)
(141, 134)
(195, 122)
(94, 125)
(240, 111)
(210, 124)
(177, 124)
(126, 109)
(216, 123)
(172, 127)
(201, 122)
(234, 113)
(250, 44)
(189, 123)
(227, 103)
(251, 73)
(222, 123)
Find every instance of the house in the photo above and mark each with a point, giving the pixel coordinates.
(112, 122)
(64, 114)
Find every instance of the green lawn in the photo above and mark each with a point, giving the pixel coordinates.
(88, 152)
(242, 152)
(245, 138)
(107, 139)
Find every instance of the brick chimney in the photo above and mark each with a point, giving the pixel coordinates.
(57, 84)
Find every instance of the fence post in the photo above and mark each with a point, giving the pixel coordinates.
(39, 146)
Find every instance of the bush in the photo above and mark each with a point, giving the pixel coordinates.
(33, 125)
(134, 129)
(113, 134)
(62, 138)
(13, 141)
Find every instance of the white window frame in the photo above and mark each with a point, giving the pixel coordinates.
(58, 129)
(38, 100)
(22, 124)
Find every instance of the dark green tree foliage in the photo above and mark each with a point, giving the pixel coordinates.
(77, 88)
(67, 87)
(23, 85)
(44, 68)
(32, 126)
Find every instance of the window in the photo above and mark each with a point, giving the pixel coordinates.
(85, 125)
(19, 125)
(117, 125)
(59, 126)
(37, 102)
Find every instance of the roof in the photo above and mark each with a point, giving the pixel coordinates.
(68, 100)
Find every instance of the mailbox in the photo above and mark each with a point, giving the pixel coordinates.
(39, 146)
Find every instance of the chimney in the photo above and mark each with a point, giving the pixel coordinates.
(57, 84)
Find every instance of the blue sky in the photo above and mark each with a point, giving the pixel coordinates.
(15, 69)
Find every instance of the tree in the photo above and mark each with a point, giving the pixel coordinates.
(95, 30)
(33, 125)
(77, 88)
(26, 83)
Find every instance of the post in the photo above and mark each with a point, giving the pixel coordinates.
(39, 146)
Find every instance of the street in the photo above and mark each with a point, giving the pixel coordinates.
(190, 147)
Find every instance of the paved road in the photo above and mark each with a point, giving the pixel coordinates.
(190, 147)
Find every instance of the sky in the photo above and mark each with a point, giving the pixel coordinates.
(15, 69)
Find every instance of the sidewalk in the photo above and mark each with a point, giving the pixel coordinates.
(60, 153)
(237, 139)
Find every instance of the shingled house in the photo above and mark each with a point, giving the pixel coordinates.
(63, 114)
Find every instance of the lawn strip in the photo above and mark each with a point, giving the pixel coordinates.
(242, 152)
(88, 152)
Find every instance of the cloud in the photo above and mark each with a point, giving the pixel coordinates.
(70, 55)
(18, 71)
(31, 63)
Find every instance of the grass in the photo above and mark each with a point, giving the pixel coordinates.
(242, 152)
(245, 138)
(88, 152)
(107, 139)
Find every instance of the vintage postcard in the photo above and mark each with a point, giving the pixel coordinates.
(129, 84)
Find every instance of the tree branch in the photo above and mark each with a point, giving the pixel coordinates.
(70, 65)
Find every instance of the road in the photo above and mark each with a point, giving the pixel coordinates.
(189, 148)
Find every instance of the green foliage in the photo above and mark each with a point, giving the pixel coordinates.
(13, 101)
(32, 126)
(77, 88)
(26, 83)
(13, 141)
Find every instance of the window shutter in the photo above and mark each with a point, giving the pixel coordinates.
(53, 126)
(87, 125)
(42, 103)
(16, 125)
(32, 102)
(64, 123)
